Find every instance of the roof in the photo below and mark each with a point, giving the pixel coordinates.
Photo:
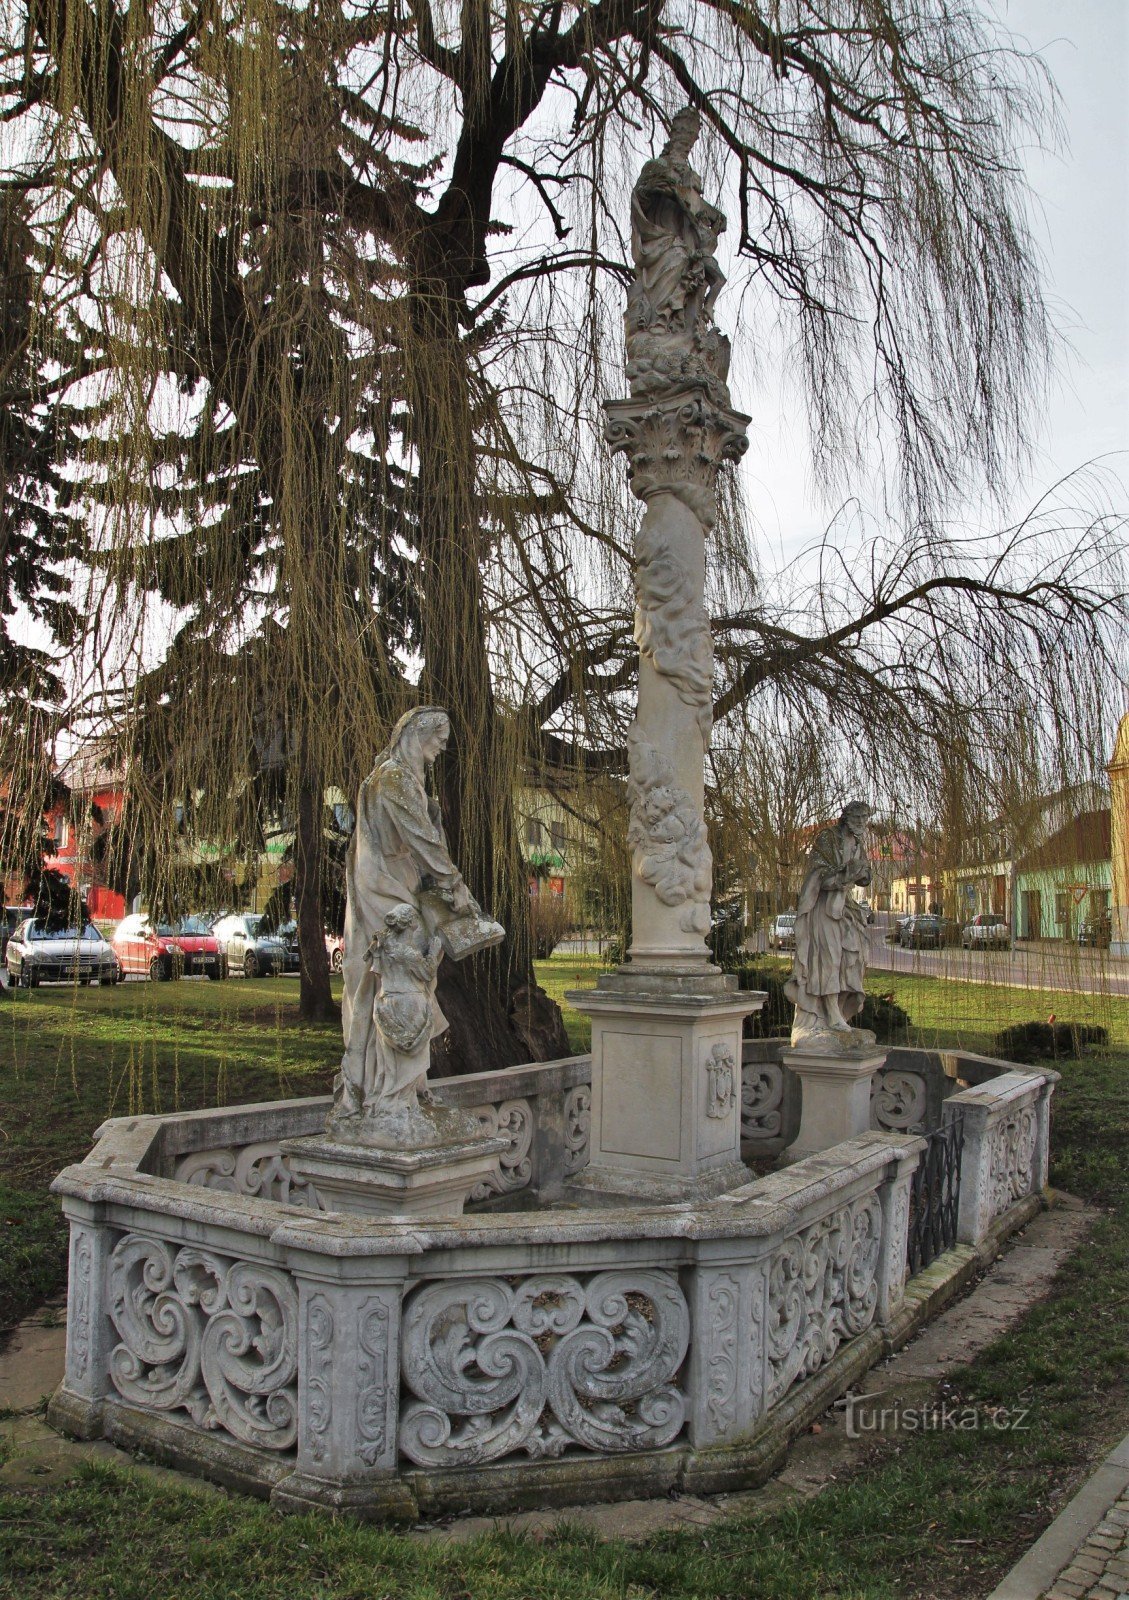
(1085, 838)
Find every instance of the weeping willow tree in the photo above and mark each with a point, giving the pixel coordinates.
(349, 278)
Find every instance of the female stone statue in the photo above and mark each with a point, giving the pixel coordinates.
(826, 985)
(671, 336)
(402, 890)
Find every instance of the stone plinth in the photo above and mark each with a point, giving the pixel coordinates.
(666, 1083)
(373, 1179)
(835, 1092)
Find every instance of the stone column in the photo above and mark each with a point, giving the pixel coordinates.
(76, 1407)
(666, 1028)
(348, 1386)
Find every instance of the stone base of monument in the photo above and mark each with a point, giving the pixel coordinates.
(371, 1167)
(666, 1082)
(835, 1088)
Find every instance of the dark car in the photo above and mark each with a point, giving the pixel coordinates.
(40, 954)
(292, 955)
(923, 932)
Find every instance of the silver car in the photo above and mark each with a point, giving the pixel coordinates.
(38, 954)
(250, 952)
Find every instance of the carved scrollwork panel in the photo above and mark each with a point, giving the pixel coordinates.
(203, 1333)
(762, 1100)
(372, 1381)
(822, 1288)
(577, 1127)
(899, 1101)
(260, 1170)
(1010, 1167)
(553, 1362)
(513, 1119)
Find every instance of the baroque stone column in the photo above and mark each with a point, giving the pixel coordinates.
(666, 1028)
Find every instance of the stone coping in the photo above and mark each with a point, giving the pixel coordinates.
(115, 1174)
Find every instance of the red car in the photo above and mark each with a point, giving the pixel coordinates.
(146, 950)
(202, 952)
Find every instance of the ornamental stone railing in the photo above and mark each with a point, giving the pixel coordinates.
(1006, 1147)
(544, 1110)
(392, 1365)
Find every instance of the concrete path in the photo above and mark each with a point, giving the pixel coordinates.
(1084, 1554)
(32, 1364)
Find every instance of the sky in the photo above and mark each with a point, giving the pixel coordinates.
(1082, 225)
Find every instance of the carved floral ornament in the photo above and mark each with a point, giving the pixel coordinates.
(1009, 1170)
(208, 1335)
(676, 446)
(551, 1362)
(721, 1081)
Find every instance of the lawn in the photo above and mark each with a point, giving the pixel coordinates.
(935, 1515)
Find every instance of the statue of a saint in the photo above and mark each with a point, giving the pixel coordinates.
(670, 332)
(826, 985)
(406, 905)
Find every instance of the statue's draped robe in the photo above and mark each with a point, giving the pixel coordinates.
(397, 852)
(830, 931)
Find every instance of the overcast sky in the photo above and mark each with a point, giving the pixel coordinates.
(1083, 195)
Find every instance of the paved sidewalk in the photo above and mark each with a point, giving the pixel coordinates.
(1084, 1554)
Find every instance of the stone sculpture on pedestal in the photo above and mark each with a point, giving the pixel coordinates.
(666, 1028)
(826, 985)
(406, 903)
(835, 1062)
(388, 1145)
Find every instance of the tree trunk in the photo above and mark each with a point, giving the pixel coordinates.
(315, 1003)
(497, 1014)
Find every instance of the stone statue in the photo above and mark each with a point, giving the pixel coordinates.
(670, 333)
(826, 985)
(406, 906)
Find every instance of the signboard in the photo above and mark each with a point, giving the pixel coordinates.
(1078, 892)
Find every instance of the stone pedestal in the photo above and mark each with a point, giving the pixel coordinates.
(836, 1095)
(666, 1083)
(430, 1177)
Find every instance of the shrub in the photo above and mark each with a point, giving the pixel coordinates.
(1029, 1042)
(549, 921)
(887, 1020)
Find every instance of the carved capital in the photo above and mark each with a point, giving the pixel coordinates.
(675, 444)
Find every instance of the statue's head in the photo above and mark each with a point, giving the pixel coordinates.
(855, 816)
(402, 919)
(684, 130)
(424, 731)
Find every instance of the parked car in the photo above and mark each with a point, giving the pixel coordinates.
(782, 933)
(37, 954)
(292, 958)
(250, 951)
(1096, 931)
(146, 951)
(986, 932)
(335, 949)
(202, 951)
(13, 916)
(920, 932)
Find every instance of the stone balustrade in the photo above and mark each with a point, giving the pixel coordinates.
(1006, 1147)
(388, 1365)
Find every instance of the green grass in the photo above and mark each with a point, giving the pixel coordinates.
(934, 1515)
(71, 1057)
